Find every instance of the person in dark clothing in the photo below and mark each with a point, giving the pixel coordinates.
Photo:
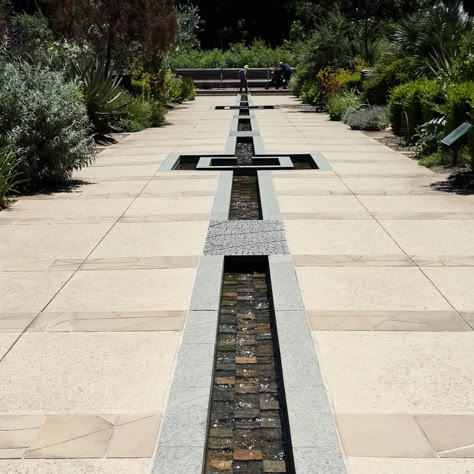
(243, 79)
(275, 78)
(286, 72)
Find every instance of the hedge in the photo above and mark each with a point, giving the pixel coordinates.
(413, 104)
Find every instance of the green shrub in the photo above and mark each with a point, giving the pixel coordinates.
(188, 92)
(459, 105)
(173, 87)
(158, 114)
(134, 115)
(386, 76)
(349, 80)
(435, 160)
(337, 104)
(44, 121)
(258, 54)
(8, 175)
(429, 135)
(413, 104)
(370, 119)
(442, 158)
(463, 65)
(138, 113)
(311, 93)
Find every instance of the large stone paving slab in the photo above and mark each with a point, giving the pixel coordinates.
(369, 289)
(76, 466)
(156, 238)
(87, 373)
(433, 237)
(28, 243)
(456, 284)
(410, 466)
(126, 290)
(349, 237)
(29, 292)
(170, 206)
(385, 372)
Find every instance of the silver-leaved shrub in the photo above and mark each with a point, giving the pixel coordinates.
(44, 121)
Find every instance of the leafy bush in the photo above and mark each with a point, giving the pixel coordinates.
(429, 135)
(413, 104)
(459, 105)
(337, 104)
(44, 121)
(349, 80)
(29, 36)
(8, 175)
(435, 159)
(134, 115)
(138, 113)
(258, 54)
(463, 65)
(443, 159)
(329, 45)
(388, 73)
(311, 93)
(158, 114)
(372, 118)
(188, 92)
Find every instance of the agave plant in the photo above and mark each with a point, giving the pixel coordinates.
(101, 92)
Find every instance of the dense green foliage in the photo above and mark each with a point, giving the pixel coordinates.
(338, 104)
(43, 120)
(61, 86)
(258, 54)
(412, 104)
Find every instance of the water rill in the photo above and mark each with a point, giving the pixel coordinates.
(247, 425)
(244, 125)
(245, 198)
(244, 150)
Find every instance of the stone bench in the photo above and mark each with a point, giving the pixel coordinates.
(225, 77)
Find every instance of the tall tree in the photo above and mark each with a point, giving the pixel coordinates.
(118, 29)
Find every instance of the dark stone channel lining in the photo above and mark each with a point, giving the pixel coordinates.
(248, 430)
(182, 444)
(245, 198)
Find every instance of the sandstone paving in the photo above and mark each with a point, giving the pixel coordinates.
(416, 373)
(75, 466)
(384, 262)
(156, 238)
(87, 373)
(350, 237)
(126, 290)
(364, 465)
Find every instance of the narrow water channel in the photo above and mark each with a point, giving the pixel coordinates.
(247, 425)
(245, 198)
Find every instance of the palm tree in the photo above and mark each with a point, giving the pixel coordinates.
(432, 36)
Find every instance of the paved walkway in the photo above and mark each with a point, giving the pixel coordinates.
(95, 285)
